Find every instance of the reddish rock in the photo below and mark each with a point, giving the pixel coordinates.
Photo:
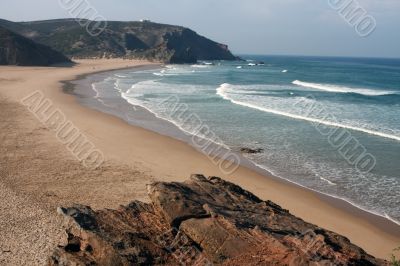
(202, 221)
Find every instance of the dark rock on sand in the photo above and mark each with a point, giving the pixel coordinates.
(251, 151)
(202, 221)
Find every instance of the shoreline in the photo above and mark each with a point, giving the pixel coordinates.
(382, 222)
(161, 155)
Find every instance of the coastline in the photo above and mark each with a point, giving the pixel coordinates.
(384, 223)
(162, 156)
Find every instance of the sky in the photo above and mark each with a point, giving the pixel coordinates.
(270, 27)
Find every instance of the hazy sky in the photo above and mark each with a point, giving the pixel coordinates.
(303, 27)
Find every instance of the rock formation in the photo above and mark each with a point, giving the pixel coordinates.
(18, 50)
(251, 151)
(202, 221)
(143, 40)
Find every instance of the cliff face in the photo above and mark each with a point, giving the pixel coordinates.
(153, 41)
(200, 222)
(190, 46)
(18, 50)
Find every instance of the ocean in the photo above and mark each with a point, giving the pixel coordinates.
(325, 123)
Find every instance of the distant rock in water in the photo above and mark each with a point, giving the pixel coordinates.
(18, 50)
(202, 221)
(143, 40)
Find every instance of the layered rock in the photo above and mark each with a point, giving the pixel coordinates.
(202, 221)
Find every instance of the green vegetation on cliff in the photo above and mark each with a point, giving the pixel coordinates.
(147, 40)
(18, 50)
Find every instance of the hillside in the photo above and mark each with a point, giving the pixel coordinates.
(18, 50)
(147, 40)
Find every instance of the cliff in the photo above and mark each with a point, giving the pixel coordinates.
(202, 221)
(145, 40)
(18, 50)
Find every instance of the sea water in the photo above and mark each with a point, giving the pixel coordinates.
(279, 104)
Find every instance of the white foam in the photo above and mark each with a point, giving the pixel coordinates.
(383, 215)
(131, 97)
(207, 63)
(391, 219)
(284, 71)
(135, 102)
(116, 85)
(328, 181)
(200, 66)
(97, 96)
(95, 90)
(221, 91)
(341, 89)
(165, 74)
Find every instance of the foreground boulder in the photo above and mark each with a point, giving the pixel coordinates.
(202, 221)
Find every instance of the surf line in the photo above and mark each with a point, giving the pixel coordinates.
(221, 91)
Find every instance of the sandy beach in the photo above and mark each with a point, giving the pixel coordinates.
(38, 173)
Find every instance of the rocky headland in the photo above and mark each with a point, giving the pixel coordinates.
(119, 39)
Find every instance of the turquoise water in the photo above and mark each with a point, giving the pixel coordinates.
(328, 124)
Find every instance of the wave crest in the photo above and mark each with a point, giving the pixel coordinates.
(341, 89)
(223, 92)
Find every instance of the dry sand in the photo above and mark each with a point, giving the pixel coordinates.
(38, 173)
